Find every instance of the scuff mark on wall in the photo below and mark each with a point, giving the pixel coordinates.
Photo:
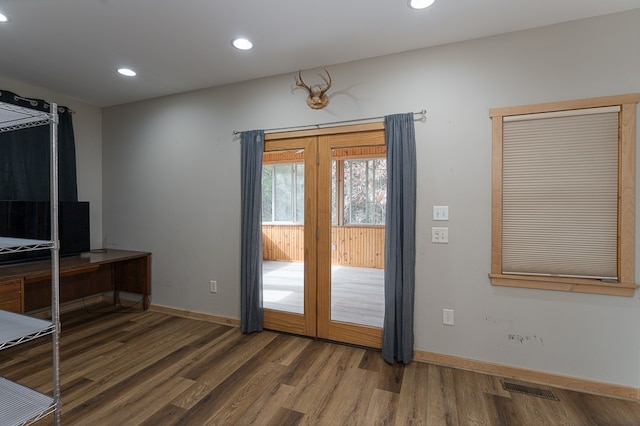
(496, 320)
(525, 339)
(513, 336)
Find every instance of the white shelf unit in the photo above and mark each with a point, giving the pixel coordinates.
(20, 405)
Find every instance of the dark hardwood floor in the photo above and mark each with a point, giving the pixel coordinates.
(156, 369)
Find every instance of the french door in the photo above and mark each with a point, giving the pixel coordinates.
(324, 195)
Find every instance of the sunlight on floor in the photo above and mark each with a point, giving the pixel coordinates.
(272, 296)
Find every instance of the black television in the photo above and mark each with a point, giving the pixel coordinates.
(32, 220)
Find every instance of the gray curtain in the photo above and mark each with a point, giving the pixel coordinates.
(400, 246)
(251, 255)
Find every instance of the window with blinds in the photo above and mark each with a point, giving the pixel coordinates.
(560, 194)
(563, 196)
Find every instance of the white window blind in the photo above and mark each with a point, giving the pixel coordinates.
(560, 194)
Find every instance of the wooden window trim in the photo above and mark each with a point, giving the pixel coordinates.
(626, 200)
(339, 192)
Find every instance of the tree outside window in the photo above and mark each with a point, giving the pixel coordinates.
(365, 191)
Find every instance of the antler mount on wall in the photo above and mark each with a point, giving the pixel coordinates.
(317, 98)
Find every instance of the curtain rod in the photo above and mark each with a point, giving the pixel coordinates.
(422, 117)
(34, 103)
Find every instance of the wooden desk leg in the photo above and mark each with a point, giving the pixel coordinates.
(132, 276)
(114, 285)
(147, 283)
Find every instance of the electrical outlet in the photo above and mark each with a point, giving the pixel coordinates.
(213, 286)
(447, 316)
(440, 235)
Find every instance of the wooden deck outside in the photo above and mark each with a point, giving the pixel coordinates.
(357, 293)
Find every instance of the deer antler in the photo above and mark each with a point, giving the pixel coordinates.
(301, 83)
(317, 98)
(323, 91)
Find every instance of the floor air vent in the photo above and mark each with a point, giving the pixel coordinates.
(529, 390)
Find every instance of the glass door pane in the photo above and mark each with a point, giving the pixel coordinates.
(357, 236)
(283, 230)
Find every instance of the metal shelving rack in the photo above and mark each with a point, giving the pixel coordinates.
(20, 405)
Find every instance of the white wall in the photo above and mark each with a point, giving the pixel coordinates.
(171, 186)
(87, 125)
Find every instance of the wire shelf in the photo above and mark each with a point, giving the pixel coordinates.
(14, 117)
(21, 405)
(18, 328)
(16, 245)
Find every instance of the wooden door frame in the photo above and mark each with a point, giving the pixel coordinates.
(318, 143)
(304, 324)
(327, 329)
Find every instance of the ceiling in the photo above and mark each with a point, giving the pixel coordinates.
(74, 46)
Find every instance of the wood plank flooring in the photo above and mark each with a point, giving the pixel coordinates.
(156, 369)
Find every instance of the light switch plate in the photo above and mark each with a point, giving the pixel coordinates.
(440, 212)
(447, 316)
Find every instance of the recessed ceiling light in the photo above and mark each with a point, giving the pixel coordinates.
(127, 72)
(3, 18)
(242, 44)
(420, 4)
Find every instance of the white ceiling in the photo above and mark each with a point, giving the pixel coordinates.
(74, 46)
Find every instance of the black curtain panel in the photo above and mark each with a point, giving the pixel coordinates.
(25, 159)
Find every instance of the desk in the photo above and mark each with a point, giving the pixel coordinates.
(25, 287)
